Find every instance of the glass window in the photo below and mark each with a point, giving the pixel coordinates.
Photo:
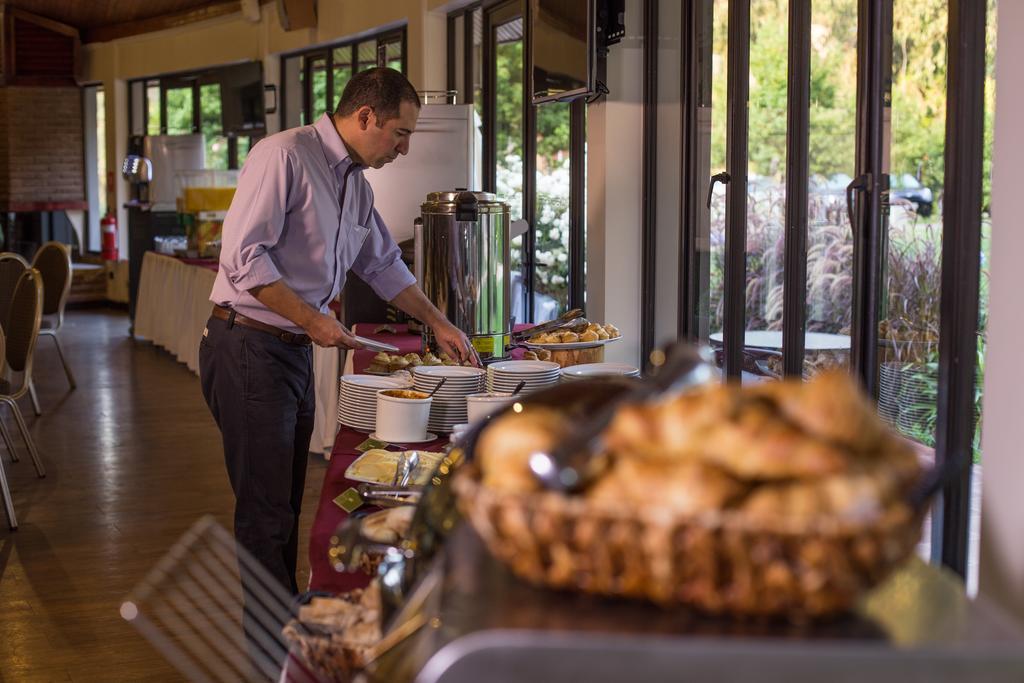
(318, 91)
(179, 111)
(551, 277)
(212, 126)
(478, 96)
(153, 108)
(766, 177)
(367, 55)
(909, 324)
(831, 167)
(509, 162)
(393, 55)
(712, 115)
(342, 64)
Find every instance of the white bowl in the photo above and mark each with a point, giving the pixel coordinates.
(479, 406)
(401, 420)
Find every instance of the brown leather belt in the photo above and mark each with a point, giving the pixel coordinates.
(239, 319)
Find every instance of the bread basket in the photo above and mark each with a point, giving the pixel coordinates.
(720, 562)
(717, 563)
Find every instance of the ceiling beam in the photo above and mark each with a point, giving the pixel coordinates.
(103, 34)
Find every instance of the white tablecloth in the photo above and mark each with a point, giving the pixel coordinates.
(172, 308)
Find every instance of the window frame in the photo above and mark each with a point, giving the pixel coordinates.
(961, 231)
(307, 55)
(186, 79)
(495, 13)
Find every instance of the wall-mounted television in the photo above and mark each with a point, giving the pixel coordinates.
(563, 49)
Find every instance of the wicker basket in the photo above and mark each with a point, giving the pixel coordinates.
(718, 563)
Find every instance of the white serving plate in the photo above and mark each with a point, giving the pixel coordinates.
(453, 372)
(600, 370)
(520, 367)
(374, 382)
(568, 346)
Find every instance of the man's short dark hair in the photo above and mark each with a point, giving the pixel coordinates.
(382, 89)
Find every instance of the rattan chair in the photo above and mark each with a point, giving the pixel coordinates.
(12, 266)
(22, 332)
(53, 261)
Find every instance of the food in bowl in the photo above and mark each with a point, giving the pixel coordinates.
(378, 466)
(409, 394)
(385, 363)
(582, 332)
(388, 526)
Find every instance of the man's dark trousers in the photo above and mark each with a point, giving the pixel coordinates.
(260, 391)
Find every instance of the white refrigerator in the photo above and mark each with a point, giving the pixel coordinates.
(442, 156)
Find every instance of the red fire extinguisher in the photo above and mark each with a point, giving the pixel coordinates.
(108, 226)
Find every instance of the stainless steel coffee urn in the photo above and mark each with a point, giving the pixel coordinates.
(462, 260)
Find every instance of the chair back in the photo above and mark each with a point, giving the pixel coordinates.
(23, 324)
(11, 268)
(53, 261)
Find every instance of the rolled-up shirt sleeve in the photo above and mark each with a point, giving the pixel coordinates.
(380, 264)
(255, 220)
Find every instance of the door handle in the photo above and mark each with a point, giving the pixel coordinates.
(858, 184)
(723, 178)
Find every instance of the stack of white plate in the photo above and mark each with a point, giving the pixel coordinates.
(449, 405)
(357, 399)
(506, 375)
(591, 370)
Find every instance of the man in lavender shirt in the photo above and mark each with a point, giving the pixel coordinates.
(301, 218)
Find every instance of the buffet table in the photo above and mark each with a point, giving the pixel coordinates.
(172, 309)
(329, 515)
(485, 625)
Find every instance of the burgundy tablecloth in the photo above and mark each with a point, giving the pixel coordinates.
(329, 515)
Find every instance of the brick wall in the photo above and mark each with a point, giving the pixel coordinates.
(41, 145)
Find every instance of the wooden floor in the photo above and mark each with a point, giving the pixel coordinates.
(133, 458)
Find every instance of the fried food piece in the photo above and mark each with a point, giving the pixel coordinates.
(685, 487)
(388, 526)
(858, 496)
(568, 337)
(505, 447)
(830, 407)
(588, 336)
(733, 429)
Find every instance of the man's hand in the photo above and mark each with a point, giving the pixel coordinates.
(326, 331)
(454, 342)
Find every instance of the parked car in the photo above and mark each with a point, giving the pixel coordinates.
(906, 186)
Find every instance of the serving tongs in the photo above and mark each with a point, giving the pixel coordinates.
(569, 465)
(400, 492)
(568, 319)
(389, 496)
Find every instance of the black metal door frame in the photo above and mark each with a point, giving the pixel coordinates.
(961, 247)
(736, 138)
